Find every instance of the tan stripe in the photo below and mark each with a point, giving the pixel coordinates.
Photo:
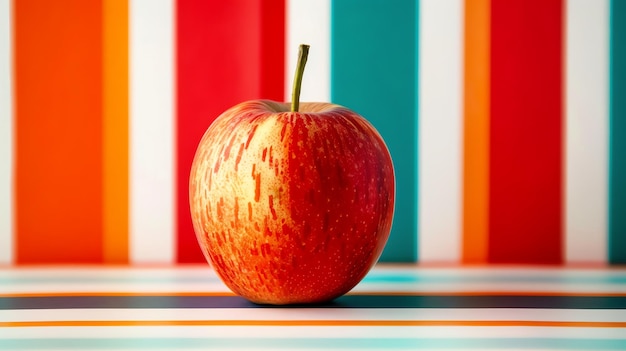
(302, 323)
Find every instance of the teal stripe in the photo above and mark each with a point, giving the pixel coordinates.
(373, 71)
(314, 343)
(617, 138)
(468, 279)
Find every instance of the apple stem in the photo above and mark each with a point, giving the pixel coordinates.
(303, 53)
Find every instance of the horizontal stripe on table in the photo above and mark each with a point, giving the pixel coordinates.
(316, 343)
(79, 315)
(380, 275)
(355, 292)
(300, 323)
(221, 331)
(368, 279)
(451, 288)
(379, 268)
(218, 288)
(347, 301)
(383, 279)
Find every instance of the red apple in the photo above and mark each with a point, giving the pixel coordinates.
(291, 205)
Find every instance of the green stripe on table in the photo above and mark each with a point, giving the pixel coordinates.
(314, 343)
(617, 158)
(373, 71)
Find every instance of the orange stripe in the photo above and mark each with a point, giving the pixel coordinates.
(58, 93)
(300, 323)
(476, 132)
(115, 110)
(118, 293)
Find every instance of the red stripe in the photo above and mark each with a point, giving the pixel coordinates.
(228, 52)
(58, 73)
(526, 131)
(273, 49)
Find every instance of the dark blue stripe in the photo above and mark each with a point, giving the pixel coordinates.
(348, 301)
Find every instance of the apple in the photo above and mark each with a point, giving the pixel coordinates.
(291, 203)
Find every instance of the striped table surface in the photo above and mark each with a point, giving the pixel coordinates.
(394, 307)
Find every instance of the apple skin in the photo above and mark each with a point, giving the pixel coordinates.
(291, 207)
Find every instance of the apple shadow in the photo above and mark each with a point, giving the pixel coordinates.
(326, 304)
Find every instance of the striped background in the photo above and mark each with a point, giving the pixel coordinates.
(506, 119)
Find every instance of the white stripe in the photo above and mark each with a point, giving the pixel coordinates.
(218, 287)
(586, 130)
(311, 314)
(86, 332)
(151, 131)
(381, 279)
(6, 135)
(203, 271)
(308, 22)
(440, 125)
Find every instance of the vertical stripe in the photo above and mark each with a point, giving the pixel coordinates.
(6, 135)
(373, 65)
(586, 130)
(224, 58)
(115, 131)
(58, 91)
(526, 137)
(617, 166)
(272, 18)
(440, 130)
(476, 131)
(308, 22)
(151, 131)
